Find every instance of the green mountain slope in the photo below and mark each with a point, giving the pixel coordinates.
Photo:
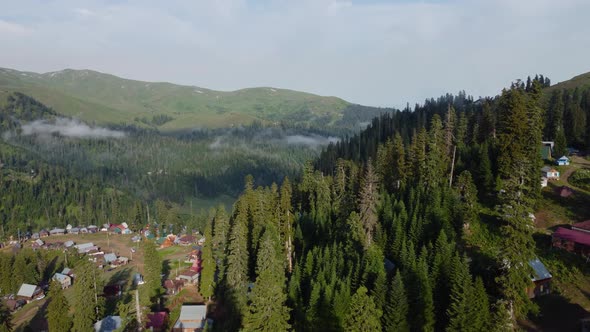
(581, 81)
(103, 98)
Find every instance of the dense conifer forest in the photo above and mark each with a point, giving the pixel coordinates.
(421, 222)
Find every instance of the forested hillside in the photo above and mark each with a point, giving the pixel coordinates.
(56, 171)
(420, 223)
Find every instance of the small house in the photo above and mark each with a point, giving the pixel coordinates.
(173, 286)
(74, 230)
(110, 258)
(156, 321)
(92, 229)
(64, 280)
(38, 244)
(83, 230)
(69, 243)
(201, 241)
(108, 324)
(541, 279)
(29, 292)
(543, 182)
(57, 231)
(186, 240)
(67, 271)
(550, 173)
(192, 318)
(43, 233)
(121, 260)
(583, 226)
(35, 236)
(138, 280)
(571, 240)
(85, 247)
(105, 228)
(563, 161)
(112, 291)
(564, 191)
(546, 149)
(189, 276)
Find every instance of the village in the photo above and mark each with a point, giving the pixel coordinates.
(116, 250)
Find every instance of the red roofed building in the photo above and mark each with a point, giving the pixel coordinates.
(571, 240)
(157, 321)
(187, 240)
(583, 226)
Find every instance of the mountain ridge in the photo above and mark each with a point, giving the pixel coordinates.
(104, 98)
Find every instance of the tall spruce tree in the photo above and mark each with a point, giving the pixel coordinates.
(58, 316)
(518, 170)
(207, 277)
(395, 316)
(267, 310)
(88, 303)
(150, 293)
(236, 276)
(362, 314)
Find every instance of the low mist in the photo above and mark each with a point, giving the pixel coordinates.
(68, 128)
(310, 140)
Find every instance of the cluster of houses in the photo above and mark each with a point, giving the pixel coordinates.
(575, 239)
(122, 228)
(548, 172)
(193, 318)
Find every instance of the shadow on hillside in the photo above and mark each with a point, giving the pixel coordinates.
(556, 313)
(577, 204)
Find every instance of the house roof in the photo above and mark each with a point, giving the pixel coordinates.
(540, 272)
(189, 273)
(192, 317)
(545, 152)
(68, 244)
(27, 290)
(585, 225)
(66, 270)
(57, 230)
(84, 246)
(108, 324)
(187, 238)
(571, 235)
(548, 169)
(156, 319)
(61, 277)
(39, 242)
(110, 257)
(563, 158)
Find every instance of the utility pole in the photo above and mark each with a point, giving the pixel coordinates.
(137, 307)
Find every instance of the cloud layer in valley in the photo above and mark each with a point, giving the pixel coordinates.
(374, 52)
(68, 128)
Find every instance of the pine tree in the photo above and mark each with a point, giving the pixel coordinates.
(267, 310)
(237, 258)
(395, 316)
(362, 314)
(458, 311)
(208, 268)
(286, 221)
(6, 324)
(220, 237)
(479, 308)
(152, 290)
(88, 303)
(518, 171)
(58, 318)
(368, 198)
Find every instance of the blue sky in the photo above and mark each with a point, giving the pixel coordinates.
(374, 52)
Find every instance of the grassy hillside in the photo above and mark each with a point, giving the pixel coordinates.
(103, 98)
(581, 81)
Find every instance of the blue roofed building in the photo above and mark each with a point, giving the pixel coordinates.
(541, 279)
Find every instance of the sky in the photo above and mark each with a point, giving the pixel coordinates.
(372, 52)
